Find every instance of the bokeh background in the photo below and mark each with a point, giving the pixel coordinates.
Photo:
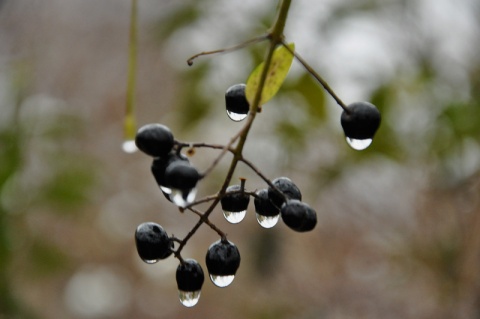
(398, 232)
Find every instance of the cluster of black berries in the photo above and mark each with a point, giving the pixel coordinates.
(178, 178)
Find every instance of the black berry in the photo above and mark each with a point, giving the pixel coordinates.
(288, 190)
(236, 102)
(234, 200)
(154, 139)
(223, 260)
(181, 175)
(263, 205)
(361, 121)
(189, 276)
(298, 215)
(152, 242)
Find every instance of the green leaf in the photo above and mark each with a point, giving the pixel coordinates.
(277, 72)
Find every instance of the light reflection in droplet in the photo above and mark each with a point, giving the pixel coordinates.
(129, 146)
(267, 221)
(237, 117)
(234, 217)
(150, 261)
(359, 145)
(182, 198)
(189, 298)
(222, 281)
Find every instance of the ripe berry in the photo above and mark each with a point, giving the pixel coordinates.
(152, 242)
(181, 178)
(288, 191)
(263, 205)
(223, 260)
(190, 280)
(236, 102)
(154, 139)
(298, 215)
(234, 200)
(361, 121)
(160, 164)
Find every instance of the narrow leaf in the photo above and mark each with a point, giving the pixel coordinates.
(277, 72)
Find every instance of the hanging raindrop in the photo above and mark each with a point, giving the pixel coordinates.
(237, 117)
(189, 298)
(267, 221)
(150, 261)
(183, 198)
(234, 217)
(129, 146)
(359, 145)
(222, 281)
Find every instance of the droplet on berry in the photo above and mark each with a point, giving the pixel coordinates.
(360, 124)
(298, 215)
(284, 189)
(267, 213)
(152, 242)
(154, 139)
(181, 178)
(190, 279)
(236, 103)
(223, 260)
(234, 204)
(128, 146)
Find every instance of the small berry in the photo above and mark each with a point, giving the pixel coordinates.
(223, 260)
(189, 276)
(361, 121)
(181, 175)
(154, 139)
(234, 200)
(298, 215)
(160, 164)
(236, 102)
(152, 242)
(287, 188)
(263, 205)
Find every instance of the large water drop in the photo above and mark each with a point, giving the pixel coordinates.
(359, 145)
(267, 221)
(189, 298)
(237, 117)
(182, 197)
(222, 281)
(234, 217)
(129, 146)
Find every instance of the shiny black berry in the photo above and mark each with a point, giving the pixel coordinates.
(152, 242)
(263, 205)
(236, 102)
(223, 260)
(160, 164)
(361, 121)
(288, 190)
(154, 139)
(235, 200)
(190, 280)
(298, 215)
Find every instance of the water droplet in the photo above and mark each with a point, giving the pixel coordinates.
(222, 281)
(129, 146)
(181, 197)
(359, 144)
(267, 221)
(234, 217)
(189, 298)
(166, 190)
(150, 261)
(237, 117)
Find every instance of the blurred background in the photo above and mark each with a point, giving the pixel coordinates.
(398, 232)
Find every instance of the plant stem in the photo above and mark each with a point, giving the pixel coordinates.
(317, 77)
(129, 124)
(276, 37)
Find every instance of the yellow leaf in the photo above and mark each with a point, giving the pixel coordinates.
(277, 72)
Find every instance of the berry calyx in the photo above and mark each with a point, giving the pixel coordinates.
(223, 260)
(236, 103)
(284, 189)
(154, 139)
(190, 280)
(152, 242)
(361, 121)
(298, 215)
